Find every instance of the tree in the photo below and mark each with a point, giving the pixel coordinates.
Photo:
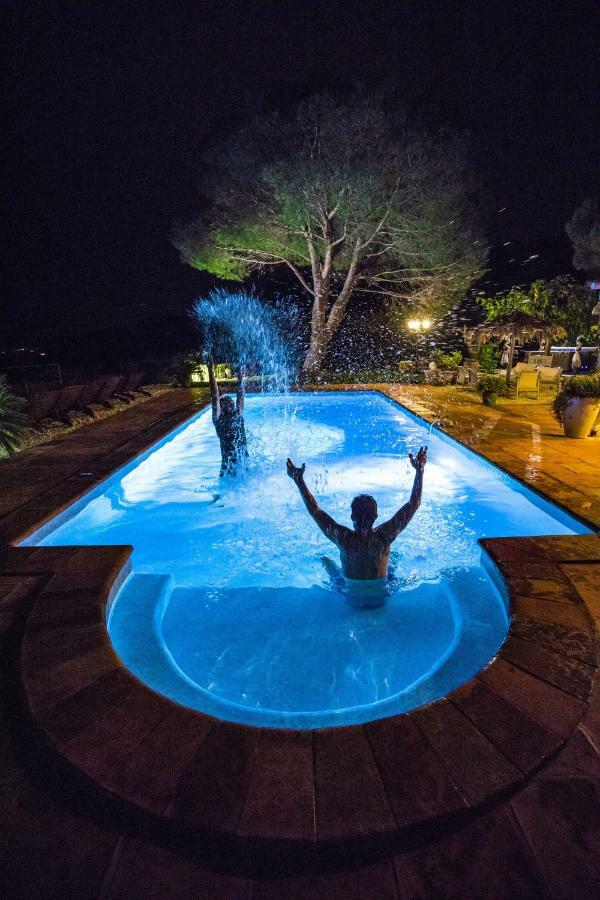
(559, 300)
(348, 198)
(584, 231)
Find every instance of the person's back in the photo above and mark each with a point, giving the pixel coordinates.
(363, 556)
(364, 551)
(232, 438)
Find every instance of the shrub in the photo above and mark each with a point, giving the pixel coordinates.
(13, 421)
(447, 361)
(451, 360)
(577, 386)
(492, 384)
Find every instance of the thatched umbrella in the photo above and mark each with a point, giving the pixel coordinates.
(518, 324)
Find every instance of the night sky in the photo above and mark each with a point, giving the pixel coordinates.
(109, 106)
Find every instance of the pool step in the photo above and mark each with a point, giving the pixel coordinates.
(134, 628)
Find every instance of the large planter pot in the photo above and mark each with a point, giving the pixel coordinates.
(579, 416)
(490, 399)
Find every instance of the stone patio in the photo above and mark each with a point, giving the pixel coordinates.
(112, 791)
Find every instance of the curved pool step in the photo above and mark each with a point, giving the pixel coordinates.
(145, 598)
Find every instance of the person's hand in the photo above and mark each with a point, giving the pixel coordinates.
(418, 461)
(296, 473)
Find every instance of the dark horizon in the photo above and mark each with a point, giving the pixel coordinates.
(109, 110)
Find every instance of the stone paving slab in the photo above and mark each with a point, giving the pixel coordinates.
(561, 818)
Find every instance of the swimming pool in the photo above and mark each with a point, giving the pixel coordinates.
(230, 609)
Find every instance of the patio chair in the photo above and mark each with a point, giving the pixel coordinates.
(89, 395)
(433, 377)
(523, 367)
(43, 406)
(550, 375)
(67, 400)
(472, 377)
(528, 383)
(462, 376)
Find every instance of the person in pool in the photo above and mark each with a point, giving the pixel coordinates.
(364, 551)
(228, 419)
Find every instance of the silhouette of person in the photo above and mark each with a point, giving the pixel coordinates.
(228, 420)
(364, 551)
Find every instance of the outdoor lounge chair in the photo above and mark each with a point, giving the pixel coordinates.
(89, 395)
(67, 400)
(529, 383)
(110, 388)
(43, 406)
(132, 386)
(550, 375)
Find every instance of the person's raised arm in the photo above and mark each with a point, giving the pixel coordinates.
(240, 392)
(328, 526)
(390, 530)
(214, 392)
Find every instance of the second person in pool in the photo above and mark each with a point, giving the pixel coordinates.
(228, 419)
(364, 551)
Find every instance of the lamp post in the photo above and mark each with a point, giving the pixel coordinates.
(419, 326)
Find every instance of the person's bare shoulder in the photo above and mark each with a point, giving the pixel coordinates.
(345, 536)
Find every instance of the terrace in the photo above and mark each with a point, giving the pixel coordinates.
(110, 788)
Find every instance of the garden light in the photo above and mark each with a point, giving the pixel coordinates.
(419, 324)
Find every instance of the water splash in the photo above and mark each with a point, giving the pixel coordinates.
(237, 328)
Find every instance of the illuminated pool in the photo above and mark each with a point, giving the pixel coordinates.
(230, 609)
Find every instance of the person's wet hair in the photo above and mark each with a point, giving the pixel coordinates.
(227, 404)
(364, 510)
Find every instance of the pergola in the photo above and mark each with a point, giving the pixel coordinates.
(520, 325)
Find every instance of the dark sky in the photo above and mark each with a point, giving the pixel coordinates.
(109, 106)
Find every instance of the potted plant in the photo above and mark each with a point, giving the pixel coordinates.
(577, 404)
(491, 387)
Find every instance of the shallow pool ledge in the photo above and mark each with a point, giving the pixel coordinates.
(199, 774)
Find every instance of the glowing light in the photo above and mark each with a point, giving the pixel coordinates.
(419, 324)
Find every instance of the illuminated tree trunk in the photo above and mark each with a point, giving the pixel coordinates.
(314, 359)
(324, 323)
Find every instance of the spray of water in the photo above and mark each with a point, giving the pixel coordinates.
(237, 328)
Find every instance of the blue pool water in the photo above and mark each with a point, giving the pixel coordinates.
(230, 609)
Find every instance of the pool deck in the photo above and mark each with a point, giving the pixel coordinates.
(111, 791)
